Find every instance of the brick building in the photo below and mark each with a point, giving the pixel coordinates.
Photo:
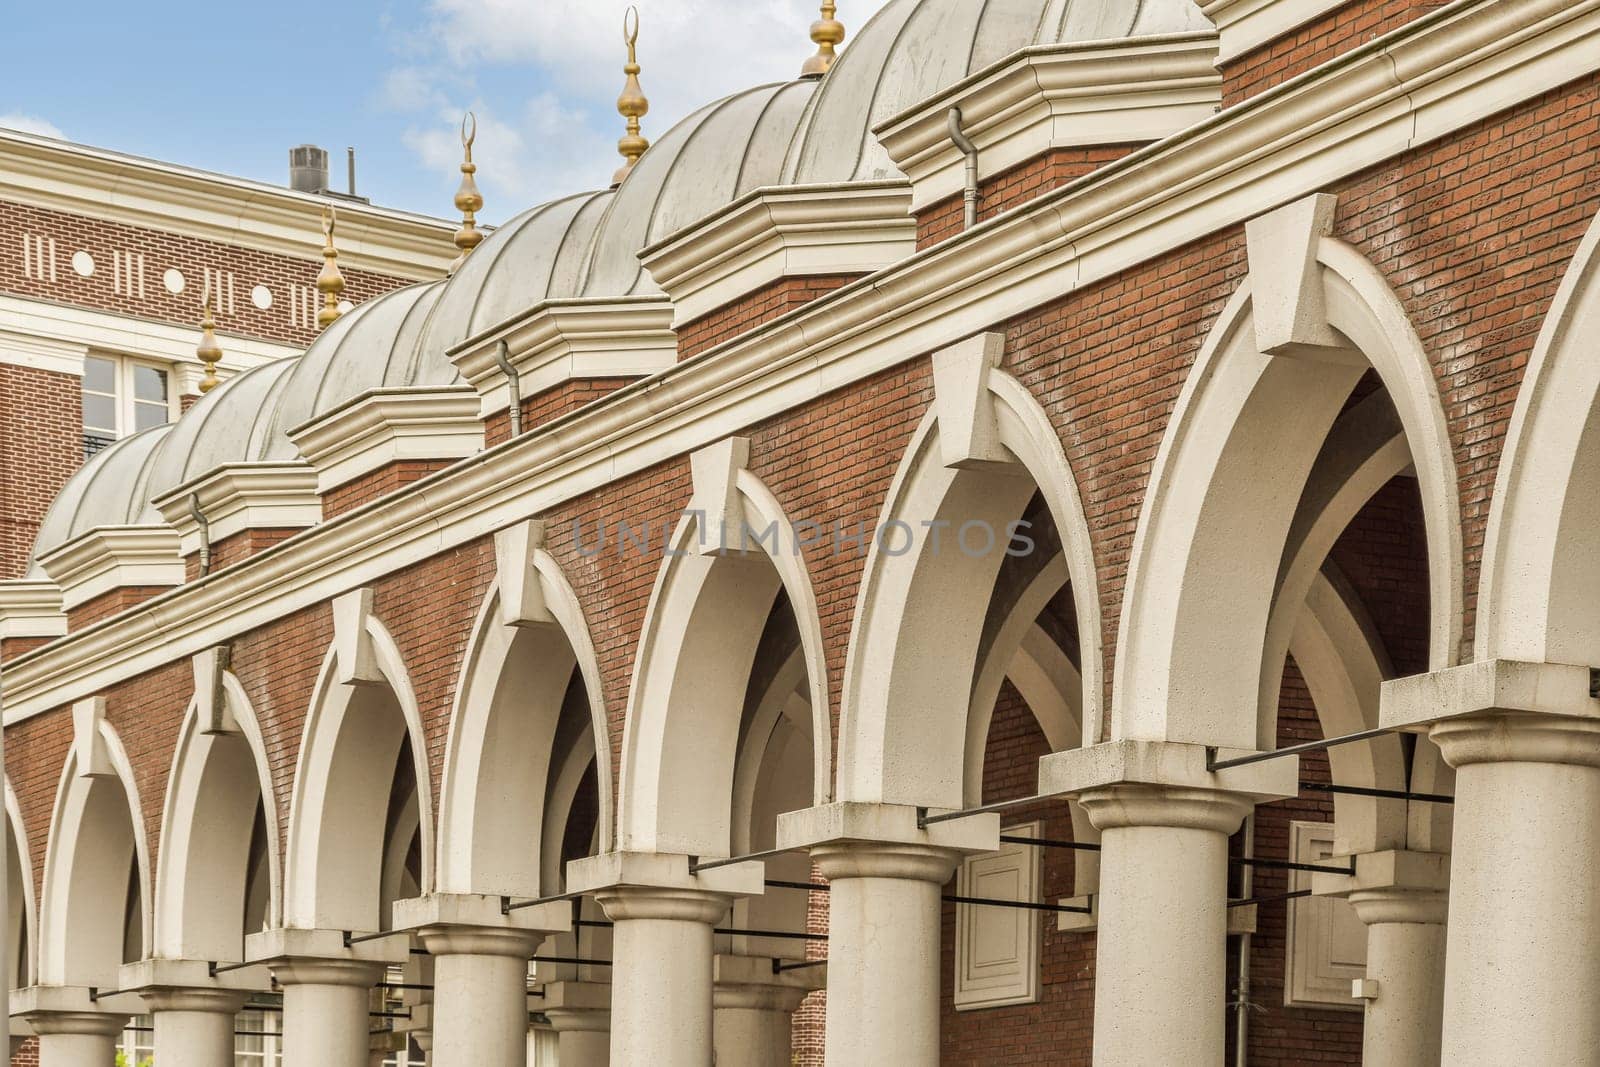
(844, 593)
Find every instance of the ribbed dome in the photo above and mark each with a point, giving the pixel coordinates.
(913, 49)
(231, 424)
(111, 489)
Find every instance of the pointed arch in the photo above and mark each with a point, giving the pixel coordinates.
(22, 914)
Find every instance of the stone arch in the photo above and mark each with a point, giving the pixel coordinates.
(510, 770)
(1233, 467)
(1540, 583)
(97, 863)
(978, 457)
(726, 563)
(363, 715)
(220, 797)
(22, 916)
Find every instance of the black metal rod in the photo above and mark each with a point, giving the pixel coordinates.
(779, 968)
(213, 968)
(1214, 764)
(925, 820)
(1366, 791)
(1028, 905)
(570, 959)
(696, 865)
(597, 924)
(403, 985)
(390, 1014)
(1048, 842)
(1269, 898)
(507, 907)
(351, 938)
(788, 934)
(1286, 865)
(779, 883)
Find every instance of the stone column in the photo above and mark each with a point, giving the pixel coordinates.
(194, 1027)
(886, 876)
(327, 990)
(754, 1007)
(73, 1029)
(662, 915)
(580, 1014)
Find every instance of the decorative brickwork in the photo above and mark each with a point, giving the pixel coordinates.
(41, 444)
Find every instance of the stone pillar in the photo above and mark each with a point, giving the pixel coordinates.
(662, 915)
(194, 1027)
(580, 1014)
(327, 990)
(1164, 820)
(73, 1030)
(754, 1007)
(886, 876)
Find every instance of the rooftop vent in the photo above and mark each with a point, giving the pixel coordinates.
(308, 168)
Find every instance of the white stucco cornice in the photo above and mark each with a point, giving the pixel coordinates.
(793, 231)
(383, 426)
(237, 497)
(1062, 96)
(1447, 71)
(557, 341)
(31, 608)
(47, 173)
(1245, 25)
(113, 557)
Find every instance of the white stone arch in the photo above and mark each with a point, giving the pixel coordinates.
(362, 710)
(22, 915)
(97, 838)
(1539, 590)
(711, 599)
(1227, 480)
(493, 819)
(220, 775)
(978, 456)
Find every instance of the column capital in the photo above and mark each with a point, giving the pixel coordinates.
(885, 859)
(479, 941)
(212, 1000)
(623, 902)
(576, 1006)
(754, 983)
(71, 1009)
(1420, 701)
(848, 822)
(1178, 765)
(1396, 904)
(1113, 807)
(286, 946)
(474, 924)
(292, 971)
(1388, 870)
(1518, 737)
(86, 1023)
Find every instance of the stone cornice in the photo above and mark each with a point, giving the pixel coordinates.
(1444, 72)
(769, 234)
(1056, 97)
(237, 497)
(1245, 25)
(44, 172)
(42, 353)
(382, 426)
(556, 341)
(31, 608)
(113, 557)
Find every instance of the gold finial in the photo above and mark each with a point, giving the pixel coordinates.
(330, 283)
(209, 352)
(468, 200)
(828, 33)
(632, 104)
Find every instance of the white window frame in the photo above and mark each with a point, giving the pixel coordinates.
(123, 408)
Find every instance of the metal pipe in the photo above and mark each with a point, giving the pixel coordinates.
(969, 188)
(1391, 794)
(1214, 764)
(924, 820)
(1241, 1003)
(199, 518)
(350, 151)
(1026, 905)
(502, 356)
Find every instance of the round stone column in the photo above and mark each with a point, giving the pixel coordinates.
(1405, 957)
(883, 950)
(1160, 963)
(325, 1010)
(77, 1039)
(754, 1024)
(194, 1027)
(661, 973)
(480, 998)
(583, 1037)
(1524, 935)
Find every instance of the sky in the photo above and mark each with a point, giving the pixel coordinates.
(231, 87)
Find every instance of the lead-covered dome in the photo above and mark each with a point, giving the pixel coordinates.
(111, 489)
(231, 424)
(912, 50)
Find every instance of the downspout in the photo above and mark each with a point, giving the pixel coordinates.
(1241, 1004)
(502, 356)
(199, 518)
(969, 189)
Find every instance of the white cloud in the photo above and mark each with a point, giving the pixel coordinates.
(15, 120)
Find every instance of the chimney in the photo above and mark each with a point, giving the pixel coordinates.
(308, 169)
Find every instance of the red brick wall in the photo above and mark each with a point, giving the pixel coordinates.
(232, 549)
(753, 309)
(1315, 43)
(1021, 183)
(27, 1055)
(549, 404)
(191, 256)
(109, 603)
(381, 482)
(41, 444)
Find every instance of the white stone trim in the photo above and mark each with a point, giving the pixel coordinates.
(556, 341)
(31, 608)
(237, 497)
(42, 353)
(384, 426)
(789, 232)
(1056, 97)
(1325, 943)
(1245, 25)
(44, 172)
(1442, 73)
(113, 557)
(985, 976)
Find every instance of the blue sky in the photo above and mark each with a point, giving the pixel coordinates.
(230, 87)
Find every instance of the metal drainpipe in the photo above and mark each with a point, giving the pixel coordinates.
(1241, 1008)
(502, 356)
(969, 191)
(205, 533)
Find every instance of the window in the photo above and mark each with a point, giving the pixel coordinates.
(256, 1041)
(122, 396)
(138, 1043)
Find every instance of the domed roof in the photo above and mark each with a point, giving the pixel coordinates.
(111, 489)
(914, 49)
(701, 165)
(373, 346)
(231, 424)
